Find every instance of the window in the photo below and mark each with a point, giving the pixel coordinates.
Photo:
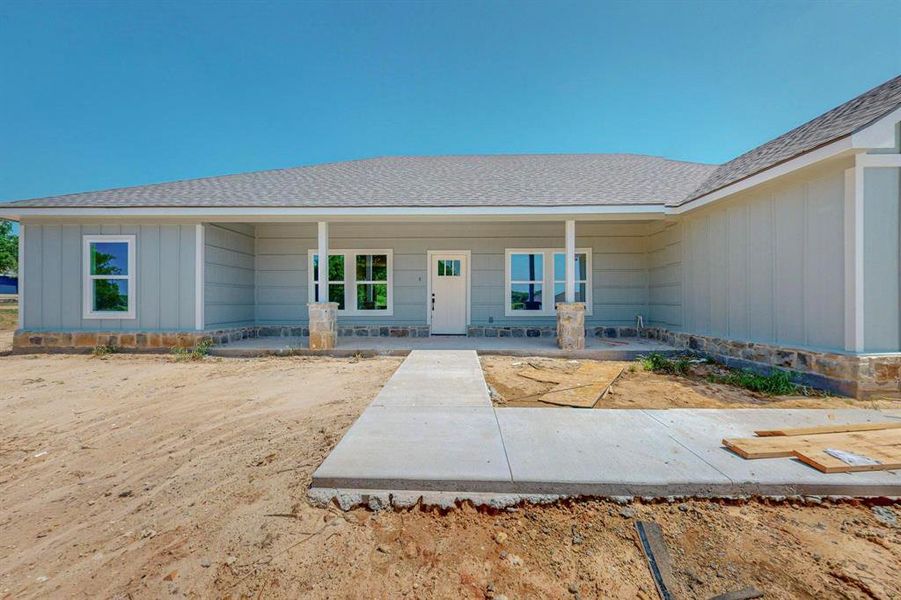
(526, 281)
(449, 268)
(360, 281)
(109, 277)
(560, 276)
(336, 285)
(529, 272)
(372, 282)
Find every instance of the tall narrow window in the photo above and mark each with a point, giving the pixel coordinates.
(109, 277)
(526, 281)
(336, 285)
(372, 282)
(560, 277)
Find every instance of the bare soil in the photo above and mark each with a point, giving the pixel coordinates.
(9, 320)
(637, 388)
(143, 477)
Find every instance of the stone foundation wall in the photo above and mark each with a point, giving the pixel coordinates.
(85, 341)
(551, 331)
(851, 374)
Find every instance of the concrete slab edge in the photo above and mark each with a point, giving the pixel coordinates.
(614, 489)
(381, 499)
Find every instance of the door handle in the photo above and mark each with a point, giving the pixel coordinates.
(433, 302)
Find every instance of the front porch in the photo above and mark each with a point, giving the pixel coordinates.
(626, 348)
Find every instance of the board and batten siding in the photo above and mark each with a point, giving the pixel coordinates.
(768, 266)
(881, 265)
(164, 279)
(619, 266)
(229, 279)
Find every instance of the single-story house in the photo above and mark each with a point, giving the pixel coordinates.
(787, 255)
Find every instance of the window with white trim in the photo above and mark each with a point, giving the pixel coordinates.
(360, 281)
(108, 277)
(531, 272)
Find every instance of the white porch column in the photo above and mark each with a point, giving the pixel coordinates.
(199, 283)
(854, 313)
(323, 261)
(570, 314)
(323, 315)
(570, 288)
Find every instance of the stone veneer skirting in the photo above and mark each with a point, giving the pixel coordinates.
(81, 341)
(852, 374)
(859, 375)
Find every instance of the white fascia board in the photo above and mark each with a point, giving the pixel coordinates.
(878, 160)
(880, 134)
(832, 150)
(628, 211)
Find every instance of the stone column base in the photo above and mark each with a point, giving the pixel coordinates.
(571, 325)
(323, 325)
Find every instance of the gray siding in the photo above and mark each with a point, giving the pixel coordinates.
(53, 277)
(229, 255)
(881, 260)
(619, 265)
(665, 274)
(769, 265)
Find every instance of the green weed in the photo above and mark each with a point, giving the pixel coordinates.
(777, 383)
(659, 363)
(198, 352)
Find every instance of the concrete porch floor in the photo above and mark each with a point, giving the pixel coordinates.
(433, 433)
(597, 348)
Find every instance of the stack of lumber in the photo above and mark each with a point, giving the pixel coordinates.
(830, 448)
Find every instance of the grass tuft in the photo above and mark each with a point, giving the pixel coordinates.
(659, 363)
(198, 352)
(101, 350)
(777, 383)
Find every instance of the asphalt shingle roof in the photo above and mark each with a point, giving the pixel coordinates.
(491, 180)
(439, 181)
(838, 123)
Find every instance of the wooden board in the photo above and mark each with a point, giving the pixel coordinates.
(785, 446)
(888, 456)
(580, 389)
(845, 428)
(650, 539)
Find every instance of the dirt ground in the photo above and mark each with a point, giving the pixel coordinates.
(9, 317)
(143, 477)
(637, 388)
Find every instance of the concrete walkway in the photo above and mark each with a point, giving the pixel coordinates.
(433, 428)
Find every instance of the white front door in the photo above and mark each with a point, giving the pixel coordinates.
(448, 275)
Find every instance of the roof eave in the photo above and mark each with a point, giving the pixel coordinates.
(267, 213)
(878, 134)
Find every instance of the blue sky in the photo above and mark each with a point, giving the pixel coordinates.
(107, 94)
